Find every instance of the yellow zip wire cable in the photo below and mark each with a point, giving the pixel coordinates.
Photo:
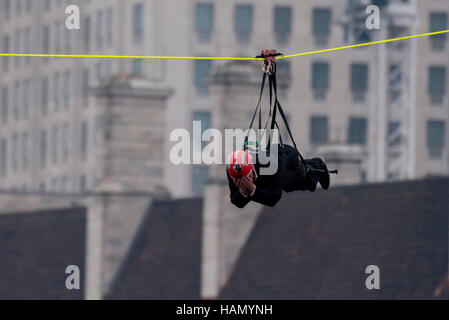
(365, 44)
(219, 58)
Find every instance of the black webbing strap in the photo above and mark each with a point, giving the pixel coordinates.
(245, 144)
(273, 113)
(277, 106)
(281, 112)
(280, 137)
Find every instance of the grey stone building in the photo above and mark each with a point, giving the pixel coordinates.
(47, 112)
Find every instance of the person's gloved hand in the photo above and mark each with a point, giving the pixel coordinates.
(248, 185)
(239, 184)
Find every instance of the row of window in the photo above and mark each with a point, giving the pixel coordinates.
(20, 7)
(19, 148)
(19, 101)
(56, 184)
(202, 71)
(243, 22)
(282, 16)
(57, 90)
(104, 22)
(22, 38)
(62, 184)
(357, 132)
(25, 7)
(320, 80)
(104, 27)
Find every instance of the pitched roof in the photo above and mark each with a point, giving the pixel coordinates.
(318, 245)
(35, 250)
(164, 261)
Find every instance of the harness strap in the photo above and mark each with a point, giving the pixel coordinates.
(245, 144)
(277, 106)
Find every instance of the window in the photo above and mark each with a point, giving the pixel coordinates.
(396, 75)
(18, 7)
(110, 26)
(24, 152)
(357, 131)
(321, 25)
(64, 184)
(138, 22)
(438, 22)
(200, 173)
(27, 43)
(86, 33)
(282, 23)
(437, 84)
(359, 77)
(28, 6)
(16, 102)
(44, 97)
(26, 98)
(99, 34)
(205, 120)
(6, 50)
(17, 46)
(137, 66)
(359, 81)
(68, 42)
(7, 9)
(204, 21)
(435, 135)
(46, 41)
(15, 152)
(108, 68)
(54, 145)
(58, 29)
(54, 184)
(66, 90)
(320, 76)
(199, 176)
(201, 75)
(98, 74)
(43, 149)
(56, 92)
(85, 86)
(393, 132)
(3, 157)
(84, 136)
(319, 130)
(83, 183)
(5, 100)
(65, 142)
(243, 22)
(283, 68)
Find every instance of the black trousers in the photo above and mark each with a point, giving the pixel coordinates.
(301, 180)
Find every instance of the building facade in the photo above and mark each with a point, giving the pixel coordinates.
(47, 113)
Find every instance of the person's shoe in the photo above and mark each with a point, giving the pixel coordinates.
(324, 179)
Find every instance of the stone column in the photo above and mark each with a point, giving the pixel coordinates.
(129, 160)
(235, 91)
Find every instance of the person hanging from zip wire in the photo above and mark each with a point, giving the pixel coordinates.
(246, 184)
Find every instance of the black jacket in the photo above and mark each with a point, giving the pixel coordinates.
(268, 190)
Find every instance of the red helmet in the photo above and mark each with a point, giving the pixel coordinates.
(240, 164)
